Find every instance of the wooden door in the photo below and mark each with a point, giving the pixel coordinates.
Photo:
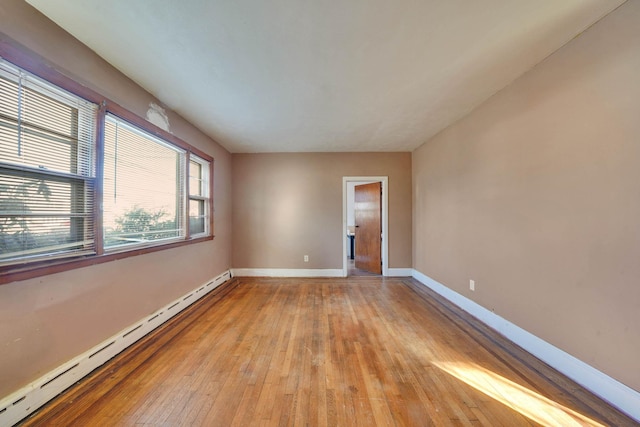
(368, 230)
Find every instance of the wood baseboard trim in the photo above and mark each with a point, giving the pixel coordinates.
(612, 391)
(21, 403)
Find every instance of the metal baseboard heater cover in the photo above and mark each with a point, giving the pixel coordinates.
(21, 403)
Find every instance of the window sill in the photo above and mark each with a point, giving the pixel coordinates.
(23, 272)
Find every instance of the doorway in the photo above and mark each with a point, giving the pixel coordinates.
(347, 183)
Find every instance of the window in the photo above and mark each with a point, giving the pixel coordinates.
(46, 170)
(198, 196)
(143, 187)
(84, 182)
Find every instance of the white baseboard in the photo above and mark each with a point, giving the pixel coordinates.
(286, 272)
(299, 272)
(617, 394)
(400, 272)
(28, 399)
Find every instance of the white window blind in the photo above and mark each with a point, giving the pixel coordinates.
(144, 182)
(46, 170)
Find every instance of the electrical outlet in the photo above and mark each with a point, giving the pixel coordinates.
(306, 258)
(472, 285)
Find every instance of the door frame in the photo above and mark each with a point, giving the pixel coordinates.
(385, 220)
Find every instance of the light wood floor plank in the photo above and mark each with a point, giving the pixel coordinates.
(362, 351)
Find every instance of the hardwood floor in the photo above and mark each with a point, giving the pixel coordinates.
(361, 351)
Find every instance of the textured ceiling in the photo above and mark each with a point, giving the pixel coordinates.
(350, 75)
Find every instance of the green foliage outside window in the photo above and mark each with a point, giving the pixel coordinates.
(140, 225)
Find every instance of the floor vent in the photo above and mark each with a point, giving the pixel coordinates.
(23, 402)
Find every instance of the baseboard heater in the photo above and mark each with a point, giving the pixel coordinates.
(28, 399)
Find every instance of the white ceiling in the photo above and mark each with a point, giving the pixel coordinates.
(303, 75)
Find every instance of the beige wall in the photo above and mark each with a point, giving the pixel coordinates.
(536, 197)
(48, 320)
(289, 205)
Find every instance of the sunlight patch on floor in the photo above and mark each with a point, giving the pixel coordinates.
(527, 402)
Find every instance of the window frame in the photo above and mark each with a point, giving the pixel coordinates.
(182, 172)
(39, 67)
(82, 180)
(206, 180)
